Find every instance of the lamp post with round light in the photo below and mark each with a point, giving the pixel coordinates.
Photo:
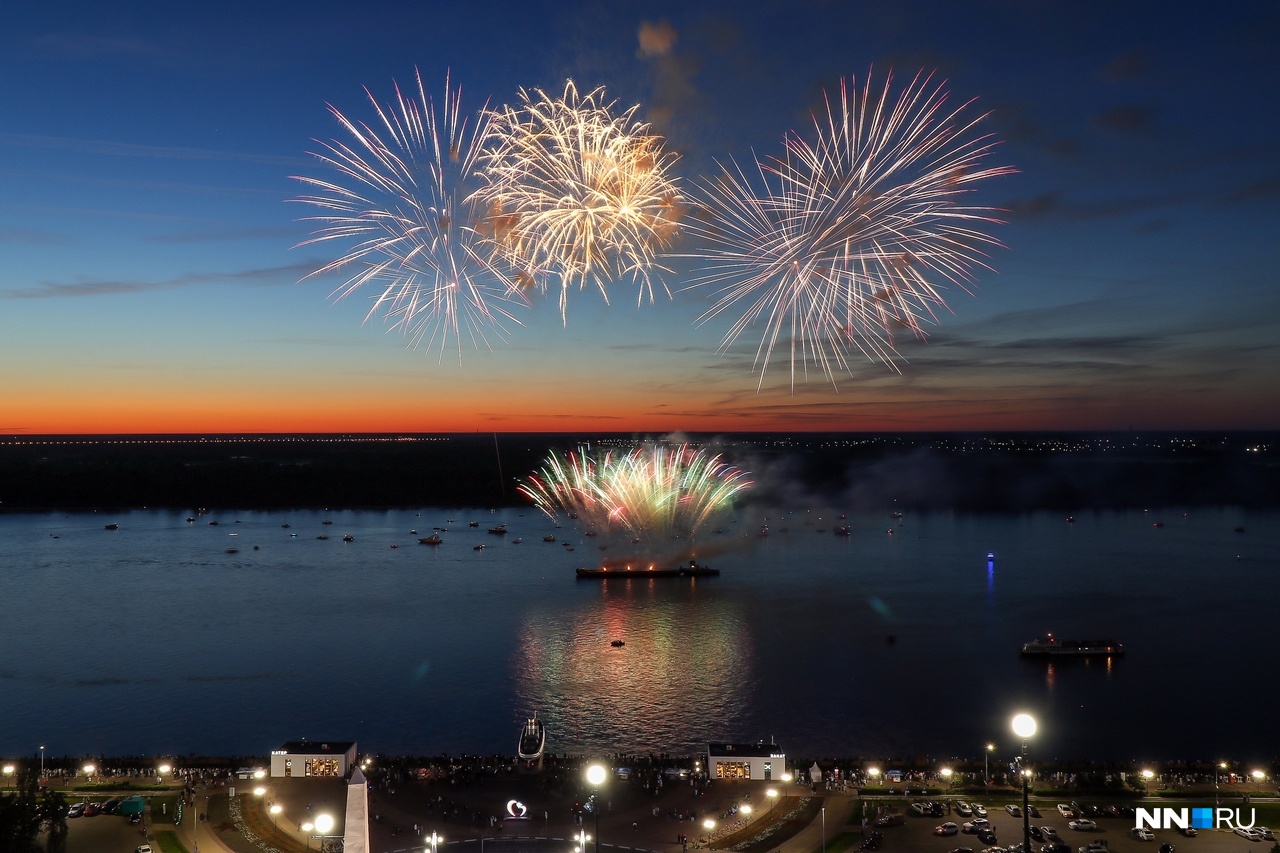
(945, 773)
(42, 762)
(772, 794)
(582, 838)
(324, 825)
(8, 772)
(1024, 726)
(275, 810)
(709, 825)
(595, 778)
(1221, 765)
(308, 827)
(986, 764)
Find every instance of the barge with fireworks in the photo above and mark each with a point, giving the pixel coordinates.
(1051, 646)
(691, 569)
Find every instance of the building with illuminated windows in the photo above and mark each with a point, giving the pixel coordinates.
(331, 759)
(746, 761)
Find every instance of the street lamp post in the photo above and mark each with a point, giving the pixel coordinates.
(824, 829)
(582, 838)
(436, 838)
(945, 773)
(1024, 726)
(275, 810)
(595, 778)
(308, 827)
(324, 825)
(986, 765)
(709, 825)
(41, 762)
(1221, 765)
(8, 771)
(772, 794)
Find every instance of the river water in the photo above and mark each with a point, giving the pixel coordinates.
(154, 639)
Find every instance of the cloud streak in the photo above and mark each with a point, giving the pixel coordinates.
(288, 274)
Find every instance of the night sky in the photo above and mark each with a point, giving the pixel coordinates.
(150, 279)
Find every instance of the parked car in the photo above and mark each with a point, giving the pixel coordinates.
(1249, 833)
(978, 809)
(1014, 811)
(1094, 847)
(1142, 833)
(111, 805)
(75, 810)
(1166, 848)
(1189, 831)
(1033, 811)
(91, 809)
(1083, 825)
(1065, 810)
(1055, 847)
(135, 819)
(962, 808)
(987, 836)
(143, 848)
(1035, 832)
(1266, 833)
(920, 808)
(971, 826)
(947, 828)
(1049, 832)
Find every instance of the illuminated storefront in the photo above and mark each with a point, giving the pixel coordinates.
(759, 761)
(301, 758)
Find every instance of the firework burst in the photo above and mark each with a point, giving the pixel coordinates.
(845, 242)
(577, 194)
(653, 491)
(400, 206)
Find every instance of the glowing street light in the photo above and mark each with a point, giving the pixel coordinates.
(595, 778)
(772, 794)
(709, 825)
(1024, 726)
(8, 771)
(1258, 775)
(165, 769)
(259, 774)
(1222, 765)
(41, 762)
(582, 838)
(436, 840)
(986, 774)
(324, 824)
(945, 773)
(88, 771)
(307, 827)
(275, 810)
(745, 809)
(786, 778)
(259, 791)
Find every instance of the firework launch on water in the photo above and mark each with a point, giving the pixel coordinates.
(399, 203)
(652, 493)
(576, 194)
(845, 242)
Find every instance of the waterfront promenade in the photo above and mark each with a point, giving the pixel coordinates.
(469, 812)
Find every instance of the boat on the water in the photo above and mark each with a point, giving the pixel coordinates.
(533, 740)
(433, 539)
(691, 569)
(498, 529)
(1050, 646)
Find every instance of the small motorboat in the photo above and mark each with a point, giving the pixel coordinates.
(433, 539)
(617, 644)
(478, 548)
(112, 527)
(348, 538)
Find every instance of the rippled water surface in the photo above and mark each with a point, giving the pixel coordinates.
(154, 639)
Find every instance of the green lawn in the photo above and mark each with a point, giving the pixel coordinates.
(168, 843)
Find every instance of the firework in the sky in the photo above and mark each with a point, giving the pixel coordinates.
(399, 210)
(846, 241)
(653, 492)
(575, 194)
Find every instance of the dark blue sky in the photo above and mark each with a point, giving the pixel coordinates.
(148, 279)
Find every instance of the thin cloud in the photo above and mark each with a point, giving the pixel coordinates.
(56, 290)
(132, 149)
(265, 233)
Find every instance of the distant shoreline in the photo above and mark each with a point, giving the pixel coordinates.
(997, 472)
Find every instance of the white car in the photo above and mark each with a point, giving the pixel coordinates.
(1083, 825)
(1013, 810)
(979, 809)
(1049, 832)
(1189, 831)
(144, 848)
(1094, 848)
(1266, 833)
(1249, 833)
(1065, 810)
(1142, 833)
(962, 808)
(947, 828)
(978, 823)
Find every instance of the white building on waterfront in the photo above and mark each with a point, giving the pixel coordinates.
(746, 761)
(325, 759)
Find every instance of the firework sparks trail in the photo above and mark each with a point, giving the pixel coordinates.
(846, 240)
(653, 491)
(400, 203)
(576, 193)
